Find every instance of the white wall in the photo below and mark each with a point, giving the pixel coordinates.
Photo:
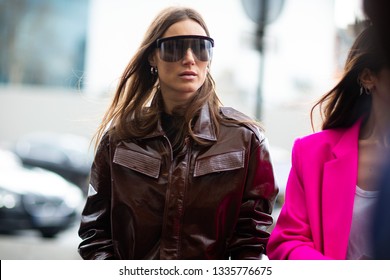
(30, 109)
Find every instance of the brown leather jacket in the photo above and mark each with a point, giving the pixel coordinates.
(209, 202)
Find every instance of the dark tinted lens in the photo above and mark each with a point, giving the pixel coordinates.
(174, 49)
(201, 48)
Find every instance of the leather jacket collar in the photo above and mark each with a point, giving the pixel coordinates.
(203, 128)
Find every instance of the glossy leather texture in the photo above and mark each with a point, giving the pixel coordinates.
(207, 202)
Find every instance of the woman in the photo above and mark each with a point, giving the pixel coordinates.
(378, 13)
(176, 176)
(331, 189)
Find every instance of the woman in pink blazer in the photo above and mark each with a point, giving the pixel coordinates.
(331, 188)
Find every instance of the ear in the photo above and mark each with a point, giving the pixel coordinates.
(367, 78)
(152, 59)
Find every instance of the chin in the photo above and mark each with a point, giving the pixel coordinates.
(188, 90)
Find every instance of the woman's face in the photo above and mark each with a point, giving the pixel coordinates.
(382, 85)
(180, 80)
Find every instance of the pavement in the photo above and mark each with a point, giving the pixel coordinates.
(29, 245)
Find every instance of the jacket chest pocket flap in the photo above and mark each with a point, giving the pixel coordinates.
(138, 162)
(218, 163)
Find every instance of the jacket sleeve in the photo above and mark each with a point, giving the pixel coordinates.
(251, 235)
(291, 238)
(95, 226)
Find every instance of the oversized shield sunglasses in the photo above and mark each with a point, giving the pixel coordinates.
(174, 48)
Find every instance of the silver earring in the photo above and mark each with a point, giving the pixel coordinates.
(365, 90)
(153, 71)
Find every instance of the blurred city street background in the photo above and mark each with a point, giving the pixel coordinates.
(60, 62)
(28, 245)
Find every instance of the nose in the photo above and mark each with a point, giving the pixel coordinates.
(189, 56)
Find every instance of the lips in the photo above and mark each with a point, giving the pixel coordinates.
(187, 73)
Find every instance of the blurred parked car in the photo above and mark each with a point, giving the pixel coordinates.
(65, 154)
(34, 198)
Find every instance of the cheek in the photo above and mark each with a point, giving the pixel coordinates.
(203, 70)
(387, 79)
(165, 70)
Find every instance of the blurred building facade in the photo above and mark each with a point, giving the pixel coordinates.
(43, 42)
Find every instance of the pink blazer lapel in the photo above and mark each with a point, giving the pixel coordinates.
(339, 184)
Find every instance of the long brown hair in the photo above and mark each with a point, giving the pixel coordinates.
(138, 98)
(343, 105)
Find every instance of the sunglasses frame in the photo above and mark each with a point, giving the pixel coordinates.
(162, 40)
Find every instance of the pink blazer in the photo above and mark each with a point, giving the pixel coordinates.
(315, 220)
